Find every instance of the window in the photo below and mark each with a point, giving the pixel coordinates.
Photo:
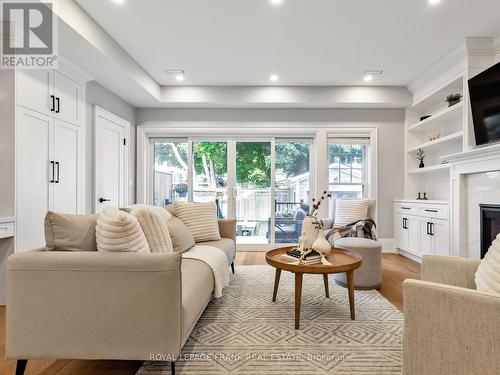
(347, 171)
(170, 171)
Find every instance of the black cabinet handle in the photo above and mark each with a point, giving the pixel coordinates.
(52, 177)
(102, 200)
(428, 231)
(406, 208)
(57, 180)
(435, 211)
(52, 109)
(58, 102)
(432, 229)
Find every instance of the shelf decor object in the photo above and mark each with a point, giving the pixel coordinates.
(453, 99)
(421, 157)
(433, 135)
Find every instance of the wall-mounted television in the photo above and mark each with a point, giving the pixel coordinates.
(484, 90)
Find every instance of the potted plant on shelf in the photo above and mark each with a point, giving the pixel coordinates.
(421, 157)
(181, 189)
(453, 99)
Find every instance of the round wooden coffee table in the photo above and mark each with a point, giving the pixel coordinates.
(342, 261)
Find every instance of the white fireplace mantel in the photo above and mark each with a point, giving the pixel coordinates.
(479, 160)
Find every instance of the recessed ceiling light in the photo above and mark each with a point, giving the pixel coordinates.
(368, 78)
(179, 77)
(434, 2)
(274, 78)
(119, 1)
(276, 2)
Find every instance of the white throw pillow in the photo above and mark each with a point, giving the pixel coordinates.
(488, 273)
(201, 220)
(153, 221)
(350, 210)
(119, 231)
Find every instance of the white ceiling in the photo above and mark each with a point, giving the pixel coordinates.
(305, 42)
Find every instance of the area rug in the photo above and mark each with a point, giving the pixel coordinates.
(244, 332)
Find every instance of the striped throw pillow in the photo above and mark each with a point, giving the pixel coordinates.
(201, 220)
(350, 210)
(119, 231)
(153, 221)
(488, 273)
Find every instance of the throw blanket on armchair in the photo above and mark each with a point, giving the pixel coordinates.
(363, 228)
(216, 260)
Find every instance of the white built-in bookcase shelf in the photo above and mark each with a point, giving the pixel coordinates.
(434, 178)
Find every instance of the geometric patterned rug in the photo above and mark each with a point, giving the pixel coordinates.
(244, 332)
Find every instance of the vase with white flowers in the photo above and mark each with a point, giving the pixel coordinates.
(312, 228)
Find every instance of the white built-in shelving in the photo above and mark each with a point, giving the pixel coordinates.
(449, 123)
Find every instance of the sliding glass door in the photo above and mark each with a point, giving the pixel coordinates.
(210, 178)
(263, 183)
(292, 188)
(253, 192)
(170, 171)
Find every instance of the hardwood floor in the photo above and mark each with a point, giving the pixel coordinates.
(395, 269)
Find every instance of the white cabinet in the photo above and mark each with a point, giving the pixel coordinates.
(435, 236)
(52, 92)
(68, 94)
(50, 151)
(407, 233)
(34, 89)
(422, 228)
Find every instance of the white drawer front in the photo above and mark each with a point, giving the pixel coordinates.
(406, 208)
(438, 212)
(6, 230)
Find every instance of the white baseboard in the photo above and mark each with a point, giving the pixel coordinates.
(388, 245)
(410, 256)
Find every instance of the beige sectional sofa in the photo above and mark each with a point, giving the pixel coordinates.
(95, 305)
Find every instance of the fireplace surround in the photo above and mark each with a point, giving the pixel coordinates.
(490, 225)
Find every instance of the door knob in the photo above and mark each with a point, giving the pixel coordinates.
(101, 200)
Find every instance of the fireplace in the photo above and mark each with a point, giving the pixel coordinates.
(490, 225)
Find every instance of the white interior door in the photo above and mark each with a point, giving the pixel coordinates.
(67, 168)
(111, 140)
(33, 176)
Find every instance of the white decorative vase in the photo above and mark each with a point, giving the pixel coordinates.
(321, 244)
(309, 232)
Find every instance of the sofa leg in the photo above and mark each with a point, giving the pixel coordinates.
(232, 267)
(21, 366)
(172, 368)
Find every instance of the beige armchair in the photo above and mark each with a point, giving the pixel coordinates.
(449, 327)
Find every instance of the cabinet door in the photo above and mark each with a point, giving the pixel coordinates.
(441, 237)
(33, 175)
(34, 90)
(69, 98)
(426, 240)
(67, 146)
(399, 231)
(413, 230)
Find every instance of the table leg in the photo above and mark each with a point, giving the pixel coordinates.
(350, 287)
(276, 283)
(327, 291)
(298, 296)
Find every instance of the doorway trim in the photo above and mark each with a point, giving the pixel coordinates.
(101, 113)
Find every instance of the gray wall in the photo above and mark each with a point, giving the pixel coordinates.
(99, 95)
(7, 165)
(388, 121)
